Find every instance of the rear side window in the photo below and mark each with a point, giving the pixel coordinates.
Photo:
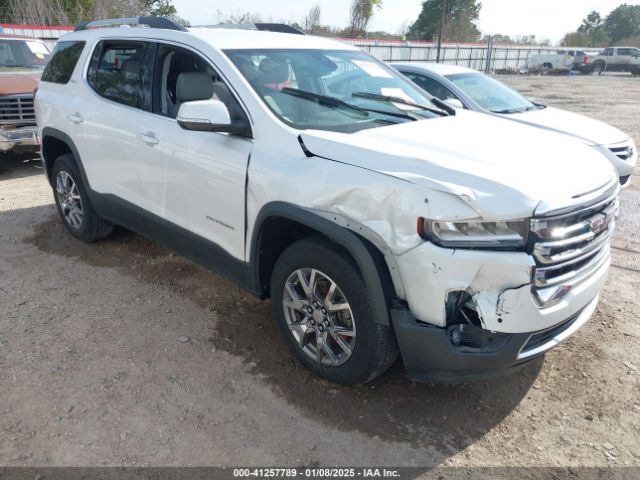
(121, 72)
(63, 61)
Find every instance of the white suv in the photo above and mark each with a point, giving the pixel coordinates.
(376, 218)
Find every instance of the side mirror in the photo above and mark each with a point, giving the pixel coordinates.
(205, 116)
(455, 103)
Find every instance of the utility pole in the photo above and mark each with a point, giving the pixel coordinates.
(442, 23)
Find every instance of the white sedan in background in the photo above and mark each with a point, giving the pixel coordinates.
(465, 88)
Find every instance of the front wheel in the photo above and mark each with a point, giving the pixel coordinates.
(323, 308)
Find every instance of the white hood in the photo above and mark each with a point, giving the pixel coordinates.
(593, 132)
(502, 169)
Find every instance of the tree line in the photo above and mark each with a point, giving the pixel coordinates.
(452, 20)
(620, 27)
(71, 12)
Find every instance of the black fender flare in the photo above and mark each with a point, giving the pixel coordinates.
(334, 232)
(63, 137)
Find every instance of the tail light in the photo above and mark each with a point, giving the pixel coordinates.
(585, 61)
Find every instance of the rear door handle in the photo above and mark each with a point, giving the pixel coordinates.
(149, 138)
(75, 118)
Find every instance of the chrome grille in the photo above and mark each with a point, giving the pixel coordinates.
(624, 152)
(17, 110)
(569, 247)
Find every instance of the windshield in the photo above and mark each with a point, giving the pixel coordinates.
(491, 94)
(23, 54)
(342, 91)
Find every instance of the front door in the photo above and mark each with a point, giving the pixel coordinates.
(195, 180)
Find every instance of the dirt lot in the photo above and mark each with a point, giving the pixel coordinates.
(93, 369)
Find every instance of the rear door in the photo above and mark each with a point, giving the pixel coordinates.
(119, 76)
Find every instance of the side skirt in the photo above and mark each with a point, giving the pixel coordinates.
(198, 249)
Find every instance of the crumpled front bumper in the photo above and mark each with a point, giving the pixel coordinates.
(430, 354)
(21, 138)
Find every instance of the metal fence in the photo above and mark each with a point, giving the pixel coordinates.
(483, 57)
(476, 56)
(49, 35)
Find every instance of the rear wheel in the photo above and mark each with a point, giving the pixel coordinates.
(598, 68)
(74, 207)
(324, 311)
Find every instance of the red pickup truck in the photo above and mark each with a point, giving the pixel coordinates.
(22, 61)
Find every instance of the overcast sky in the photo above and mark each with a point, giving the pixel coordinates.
(544, 18)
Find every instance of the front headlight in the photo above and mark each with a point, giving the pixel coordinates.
(481, 235)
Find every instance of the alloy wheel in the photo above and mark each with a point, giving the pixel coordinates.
(69, 199)
(319, 317)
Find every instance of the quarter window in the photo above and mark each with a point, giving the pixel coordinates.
(121, 72)
(63, 62)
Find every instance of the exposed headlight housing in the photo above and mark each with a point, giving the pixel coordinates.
(475, 235)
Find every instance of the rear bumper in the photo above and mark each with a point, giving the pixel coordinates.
(21, 138)
(431, 355)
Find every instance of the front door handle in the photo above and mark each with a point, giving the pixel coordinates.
(75, 118)
(149, 138)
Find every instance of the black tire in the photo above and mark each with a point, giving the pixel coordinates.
(375, 347)
(599, 68)
(92, 226)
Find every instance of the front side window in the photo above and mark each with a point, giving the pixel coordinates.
(624, 52)
(122, 72)
(171, 63)
(491, 94)
(433, 87)
(336, 90)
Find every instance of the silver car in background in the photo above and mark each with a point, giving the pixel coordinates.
(469, 89)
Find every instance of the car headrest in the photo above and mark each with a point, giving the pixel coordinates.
(193, 86)
(131, 66)
(273, 71)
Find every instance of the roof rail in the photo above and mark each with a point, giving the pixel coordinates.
(278, 27)
(265, 27)
(151, 22)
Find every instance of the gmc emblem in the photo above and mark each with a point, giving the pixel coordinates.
(599, 223)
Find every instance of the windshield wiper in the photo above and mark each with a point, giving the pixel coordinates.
(323, 99)
(18, 66)
(337, 103)
(394, 99)
(507, 111)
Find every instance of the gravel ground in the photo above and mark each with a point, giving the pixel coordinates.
(121, 353)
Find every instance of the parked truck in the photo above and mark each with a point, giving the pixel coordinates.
(22, 61)
(612, 59)
(558, 60)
